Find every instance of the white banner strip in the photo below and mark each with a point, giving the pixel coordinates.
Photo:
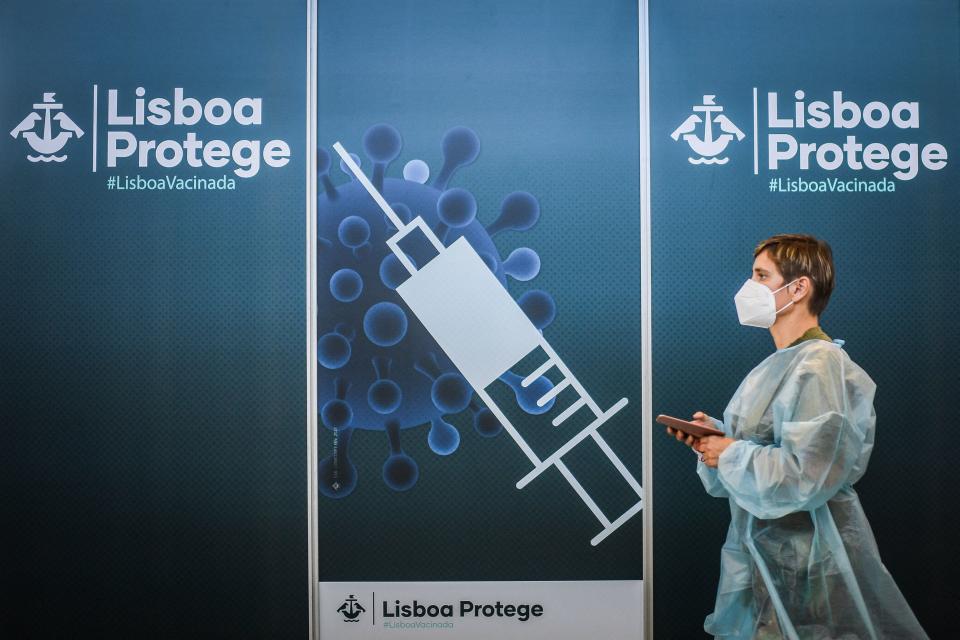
(608, 609)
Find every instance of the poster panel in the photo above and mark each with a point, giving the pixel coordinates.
(478, 342)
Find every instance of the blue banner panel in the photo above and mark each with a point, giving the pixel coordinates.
(152, 379)
(504, 140)
(836, 120)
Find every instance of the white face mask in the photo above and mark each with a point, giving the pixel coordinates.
(756, 306)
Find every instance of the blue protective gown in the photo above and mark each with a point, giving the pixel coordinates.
(800, 560)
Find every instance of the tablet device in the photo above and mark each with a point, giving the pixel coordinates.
(690, 428)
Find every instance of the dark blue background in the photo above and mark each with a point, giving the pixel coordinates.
(152, 380)
(896, 259)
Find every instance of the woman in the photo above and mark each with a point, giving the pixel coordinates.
(800, 560)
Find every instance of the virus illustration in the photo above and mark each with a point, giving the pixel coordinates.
(380, 370)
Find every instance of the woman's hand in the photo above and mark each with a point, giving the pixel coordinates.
(681, 436)
(710, 448)
(700, 418)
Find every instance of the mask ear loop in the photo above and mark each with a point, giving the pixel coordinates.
(782, 288)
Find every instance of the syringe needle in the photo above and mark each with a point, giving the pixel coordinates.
(362, 179)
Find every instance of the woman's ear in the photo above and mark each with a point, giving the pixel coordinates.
(802, 288)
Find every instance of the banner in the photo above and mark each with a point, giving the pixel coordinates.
(332, 319)
(152, 339)
(835, 120)
(478, 346)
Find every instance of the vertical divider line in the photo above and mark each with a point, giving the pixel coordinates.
(756, 142)
(313, 588)
(646, 355)
(94, 128)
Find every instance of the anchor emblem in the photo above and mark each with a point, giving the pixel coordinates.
(708, 148)
(47, 145)
(351, 609)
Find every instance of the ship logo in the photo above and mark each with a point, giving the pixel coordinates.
(708, 148)
(47, 145)
(351, 609)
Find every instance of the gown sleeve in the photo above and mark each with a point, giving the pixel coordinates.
(816, 448)
(708, 475)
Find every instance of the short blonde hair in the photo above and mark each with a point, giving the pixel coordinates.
(798, 255)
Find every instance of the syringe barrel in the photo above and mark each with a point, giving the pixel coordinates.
(470, 314)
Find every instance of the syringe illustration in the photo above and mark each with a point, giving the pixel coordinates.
(485, 333)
